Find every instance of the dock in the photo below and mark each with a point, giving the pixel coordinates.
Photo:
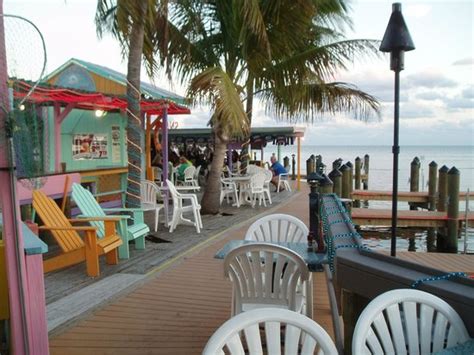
(403, 196)
(383, 217)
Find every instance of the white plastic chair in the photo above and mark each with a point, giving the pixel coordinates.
(229, 188)
(283, 179)
(196, 176)
(179, 208)
(189, 174)
(407, 321)
(149, 193)
(267, 275)
(266, 185)
(278, 228)
(252, 169)
(241, 335)
(255, 190)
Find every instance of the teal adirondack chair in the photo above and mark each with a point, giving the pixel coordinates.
(91, 208)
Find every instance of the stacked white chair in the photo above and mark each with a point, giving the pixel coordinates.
(179, 208)
(266, 275)
(278, 227)
(241, 335)
(149, 193)
(407, 321)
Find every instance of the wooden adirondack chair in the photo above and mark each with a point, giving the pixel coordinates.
(74, 249)
(90, 208)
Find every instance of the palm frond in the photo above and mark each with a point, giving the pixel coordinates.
(214, 86)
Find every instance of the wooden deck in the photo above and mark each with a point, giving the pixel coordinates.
(442, 261)
(179, 306)
(383, 217)
(403, 196)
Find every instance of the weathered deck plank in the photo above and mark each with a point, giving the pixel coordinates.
(177, 309)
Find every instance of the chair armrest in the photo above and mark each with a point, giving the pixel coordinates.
(101, 218)
(95, 219)
(189, 197)
(61, 228)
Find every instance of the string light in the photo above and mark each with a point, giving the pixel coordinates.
(438, 278)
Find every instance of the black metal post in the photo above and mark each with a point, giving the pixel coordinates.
(314, 209)
(395, 151)
(293, 170)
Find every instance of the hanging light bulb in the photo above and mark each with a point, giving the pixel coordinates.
(22, 107)
(99, 113)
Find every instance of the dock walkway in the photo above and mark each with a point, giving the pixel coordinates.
(403, 196)
(179, 304)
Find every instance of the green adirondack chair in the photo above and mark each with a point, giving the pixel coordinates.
(134, 231)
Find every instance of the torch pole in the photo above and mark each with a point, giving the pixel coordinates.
(395, 151)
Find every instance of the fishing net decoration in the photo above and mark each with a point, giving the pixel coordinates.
(26, 59)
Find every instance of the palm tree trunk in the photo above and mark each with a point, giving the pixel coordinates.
(134, 119)
(245, 153)
(210, 203)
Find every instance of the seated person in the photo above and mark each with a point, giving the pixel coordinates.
(277, 169)
(184, 163)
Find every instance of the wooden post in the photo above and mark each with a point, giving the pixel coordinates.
(415, 177)
(442, 205)
(293, 170)
(310, 165)
(352, 306)
(432, 183)
(453, 210)
(357, 181)
(298, 181)
(327, 186)
(365, 180)
(345, 181)
(351, 177)
(442, 188)
(336, 178)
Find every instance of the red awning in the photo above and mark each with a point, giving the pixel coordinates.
(48, 95)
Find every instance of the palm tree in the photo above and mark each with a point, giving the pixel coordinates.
(283, 52)
(128, 21)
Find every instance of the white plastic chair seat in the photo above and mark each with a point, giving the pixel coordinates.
(299, 304)
(242, 335)
(407, 321)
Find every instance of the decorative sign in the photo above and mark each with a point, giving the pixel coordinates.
(116, 149)
(89, 146)
(76, 77)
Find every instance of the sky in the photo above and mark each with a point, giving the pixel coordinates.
(437, 85)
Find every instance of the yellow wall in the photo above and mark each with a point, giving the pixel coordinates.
(4, 308)
(102, 84)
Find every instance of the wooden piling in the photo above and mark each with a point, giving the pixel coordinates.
(442, 188)
(310, 165)
(414, 179)
(366, 172)
(336, 178)
(432, 184)
(345, 181)
(442, 205)
(351, 177)
(453, 210)
(357, 178)
(327, 185)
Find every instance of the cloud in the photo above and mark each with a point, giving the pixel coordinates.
(459, 103)
(430, 96)
(465, 61)
(418, 10)
(468, 93)
(429, 79)
(415, 110)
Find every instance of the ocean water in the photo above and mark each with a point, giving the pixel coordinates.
(380, 173)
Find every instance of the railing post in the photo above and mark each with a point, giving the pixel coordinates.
(345, 186)
(442, 205)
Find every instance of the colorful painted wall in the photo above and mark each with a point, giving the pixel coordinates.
(89, 142)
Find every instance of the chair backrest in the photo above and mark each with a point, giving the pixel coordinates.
(174, 193)
(407, 321)
(302, 335)
(52, 216)
(252, 169)
(278, 228)
(89, 206)
(149, 192)
(189, 172)
(264, 273)
(257, 181)
(268, 176)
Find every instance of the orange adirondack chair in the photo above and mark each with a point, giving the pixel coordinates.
(74, 248)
